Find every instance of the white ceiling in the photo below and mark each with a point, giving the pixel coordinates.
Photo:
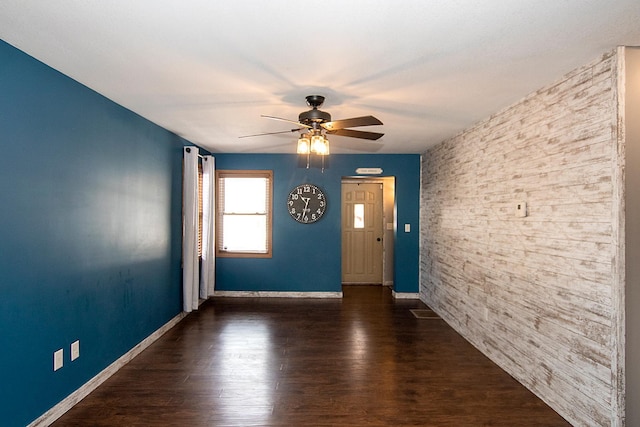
(207, 70)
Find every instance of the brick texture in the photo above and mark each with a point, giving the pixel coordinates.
(533, 293)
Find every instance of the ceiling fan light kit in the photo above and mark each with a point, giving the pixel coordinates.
(315, 124)
(304, 144)
(317, 144)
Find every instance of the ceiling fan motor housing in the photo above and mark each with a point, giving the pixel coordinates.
(314, 116)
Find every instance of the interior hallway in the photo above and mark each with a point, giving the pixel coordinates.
(365, 360)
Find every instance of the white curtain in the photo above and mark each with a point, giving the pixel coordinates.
(207, 281)
(190, 270)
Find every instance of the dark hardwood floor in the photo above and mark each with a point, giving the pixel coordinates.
(365, 360)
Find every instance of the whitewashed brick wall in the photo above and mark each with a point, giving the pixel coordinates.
(535, 293)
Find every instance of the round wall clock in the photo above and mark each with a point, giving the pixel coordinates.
(306, 203)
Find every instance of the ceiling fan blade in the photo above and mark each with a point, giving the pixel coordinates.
(286, 120)
(354, 122)
(271, 133)
(356, 134)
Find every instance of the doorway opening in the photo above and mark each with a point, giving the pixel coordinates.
(368, 225)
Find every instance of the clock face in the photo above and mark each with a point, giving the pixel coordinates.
(306, 203)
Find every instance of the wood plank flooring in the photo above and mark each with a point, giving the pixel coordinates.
(365, 360)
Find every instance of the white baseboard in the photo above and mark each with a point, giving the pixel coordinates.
(57, 411)
(271, 294)
(405, 295)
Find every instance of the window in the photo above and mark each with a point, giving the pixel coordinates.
(358, 215)
(200, 211)
(243, 226)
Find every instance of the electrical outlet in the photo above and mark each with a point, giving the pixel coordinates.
(75, 350)
(58, 359)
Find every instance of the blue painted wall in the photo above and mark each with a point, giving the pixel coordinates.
(90, 233)
(307, 257)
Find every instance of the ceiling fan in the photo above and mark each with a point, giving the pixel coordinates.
(317, 123)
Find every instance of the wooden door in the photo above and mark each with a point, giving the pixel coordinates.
(362, 232)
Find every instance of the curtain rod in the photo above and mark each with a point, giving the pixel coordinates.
(199, 155)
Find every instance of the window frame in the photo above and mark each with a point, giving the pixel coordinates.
(220, 175)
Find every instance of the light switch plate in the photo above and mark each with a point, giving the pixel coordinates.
(407, 228)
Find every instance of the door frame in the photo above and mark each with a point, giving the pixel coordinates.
(388, 224)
